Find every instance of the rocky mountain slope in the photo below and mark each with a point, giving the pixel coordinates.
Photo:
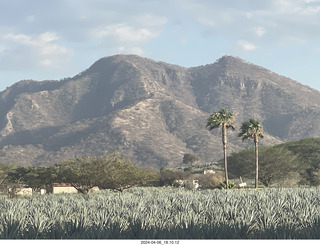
(151, 111)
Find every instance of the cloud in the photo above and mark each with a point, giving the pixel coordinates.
(260, 31)
(126, 39)
(130, 50)
(124, 33)
(56, 34)
(39, 36)
(279, 21)
(130, 38)
(149, 20)
(23, 51)
(246, 46)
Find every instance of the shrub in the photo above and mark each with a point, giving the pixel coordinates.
(190, 158)
(210, 181)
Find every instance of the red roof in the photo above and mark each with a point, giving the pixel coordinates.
(61, 185)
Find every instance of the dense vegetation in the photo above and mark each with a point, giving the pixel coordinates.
(294, 163)
(113, 171)
(308, 152)
(289, 164)
(165, 213)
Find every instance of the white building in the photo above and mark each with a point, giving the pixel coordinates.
(59, 188)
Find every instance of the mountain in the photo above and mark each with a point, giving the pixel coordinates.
(153, 112)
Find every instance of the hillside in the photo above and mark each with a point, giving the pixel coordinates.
(153, 112)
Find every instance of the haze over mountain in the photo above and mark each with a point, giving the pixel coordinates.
(153, 112)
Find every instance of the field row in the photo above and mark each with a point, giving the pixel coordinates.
(165, 213)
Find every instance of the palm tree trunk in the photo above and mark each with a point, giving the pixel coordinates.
(257, 160)
(224, 142)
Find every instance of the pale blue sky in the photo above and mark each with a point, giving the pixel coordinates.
(45, 39)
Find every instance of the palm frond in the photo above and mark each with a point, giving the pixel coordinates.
(251, 129)
(222, 117)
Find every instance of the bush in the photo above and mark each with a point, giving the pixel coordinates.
(210, 181)
(167, 176)
(276, 165)
(188, 169)
(190, 159)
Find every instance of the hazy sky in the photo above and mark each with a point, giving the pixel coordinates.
(54, 39)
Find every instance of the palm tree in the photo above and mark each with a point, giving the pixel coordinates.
(225, 119)
(252, 129)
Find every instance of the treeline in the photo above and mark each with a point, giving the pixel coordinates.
(298, 162)
(113, 171)
(288, 164)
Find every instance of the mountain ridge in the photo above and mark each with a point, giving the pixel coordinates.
(154, 112)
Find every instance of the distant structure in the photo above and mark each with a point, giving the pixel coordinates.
(209, 171)
(59, 188)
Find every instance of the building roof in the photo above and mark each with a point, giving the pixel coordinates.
(62, 185)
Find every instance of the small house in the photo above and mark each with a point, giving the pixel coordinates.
(59, 188)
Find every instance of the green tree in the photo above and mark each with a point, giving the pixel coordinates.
(252, 129)
(34, 177)
(190, 158)
(114, 171)
(277, 165)
(308, 151)
(225, 120)
(18, 176)
(121, 173)
(81, 173)
(40, 177)
(4, 170)
(167, 176)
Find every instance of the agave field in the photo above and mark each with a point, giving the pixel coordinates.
(165, 213)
